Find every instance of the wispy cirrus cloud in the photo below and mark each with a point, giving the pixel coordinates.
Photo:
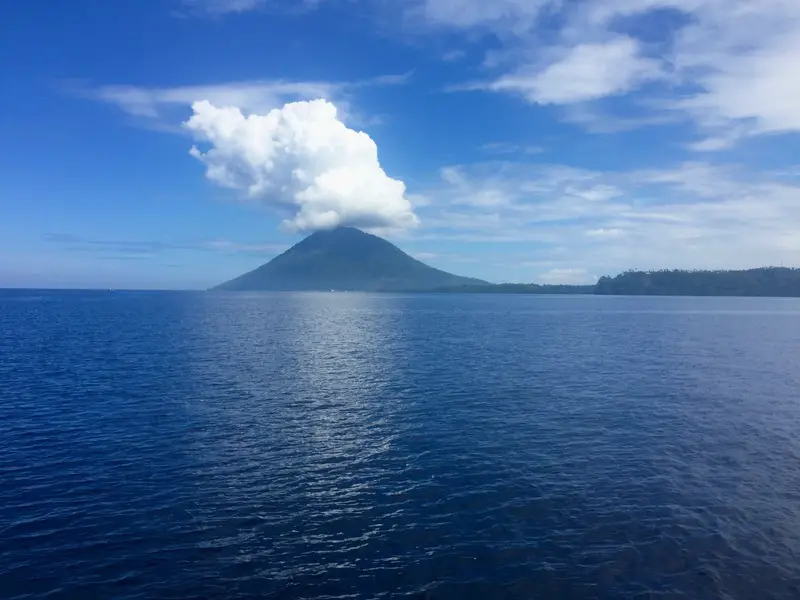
(505, 148)
(728, 66)
(216, 8)
(165, 107)
(149, 249)
(221, 7)
(154, 102)
(579, 222)
(594, 118)
(581, 73)
(497, 15)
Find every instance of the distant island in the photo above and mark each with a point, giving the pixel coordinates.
(348, 259)
(765, 281)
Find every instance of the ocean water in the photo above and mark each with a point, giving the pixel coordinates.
(198, 445)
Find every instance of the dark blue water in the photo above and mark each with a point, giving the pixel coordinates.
(191, 445)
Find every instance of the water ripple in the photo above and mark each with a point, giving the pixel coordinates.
(168, 445)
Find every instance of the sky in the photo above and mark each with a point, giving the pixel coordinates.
(180, 143)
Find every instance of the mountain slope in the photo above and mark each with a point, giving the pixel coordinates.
(345, 259)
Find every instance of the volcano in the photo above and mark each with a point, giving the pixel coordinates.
(346, 259)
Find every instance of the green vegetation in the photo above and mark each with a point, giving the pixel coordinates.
(766, 281)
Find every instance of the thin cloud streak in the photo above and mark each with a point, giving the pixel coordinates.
(163, 108)
(147, 249)
(724, 65)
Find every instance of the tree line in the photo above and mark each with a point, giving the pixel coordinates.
(765, 281)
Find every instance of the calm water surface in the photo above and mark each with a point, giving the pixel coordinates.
(191, 445)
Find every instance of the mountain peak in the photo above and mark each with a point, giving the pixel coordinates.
(339, 232)
(345, 258)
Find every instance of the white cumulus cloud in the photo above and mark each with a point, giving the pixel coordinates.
(301, 158)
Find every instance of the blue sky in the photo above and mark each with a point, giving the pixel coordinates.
(179, 143)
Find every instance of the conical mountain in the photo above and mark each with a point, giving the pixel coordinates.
(346, 259)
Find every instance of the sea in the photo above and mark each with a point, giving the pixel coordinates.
(178, 445)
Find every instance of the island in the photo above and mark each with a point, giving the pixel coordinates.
(765, 281)
(348, 259)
